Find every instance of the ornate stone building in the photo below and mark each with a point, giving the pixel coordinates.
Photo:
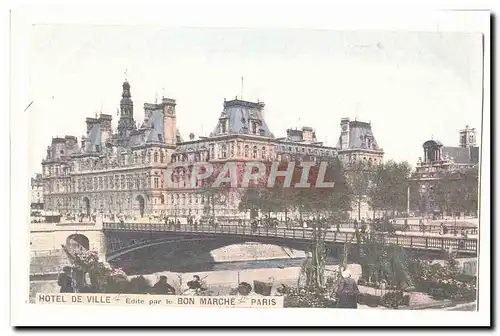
(356, 144)
(439, 159)
(124, 171)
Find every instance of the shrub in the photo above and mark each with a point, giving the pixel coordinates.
(444, 282)
(369, 300)
(303, 298)
(392, 299)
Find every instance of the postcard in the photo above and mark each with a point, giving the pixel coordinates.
(181, 167)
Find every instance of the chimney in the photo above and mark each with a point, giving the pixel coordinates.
(308, 134)
(90, 123)
(106, 131)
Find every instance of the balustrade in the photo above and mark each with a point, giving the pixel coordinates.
(411, 241)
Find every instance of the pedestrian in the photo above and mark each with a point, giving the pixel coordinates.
(347, 292)
(65, 281)
(196, 284)
(162, 287)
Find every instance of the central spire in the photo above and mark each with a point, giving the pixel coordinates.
(126, 86)
(126, 90)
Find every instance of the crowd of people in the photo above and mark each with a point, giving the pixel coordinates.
(68, 283)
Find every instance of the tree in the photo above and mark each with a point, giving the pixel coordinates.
(359, 175)
(320, 202)
(255, 199)
(456, 191)
(381, 261)
(389, 187)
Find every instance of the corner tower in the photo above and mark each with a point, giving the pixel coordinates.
(169, 121)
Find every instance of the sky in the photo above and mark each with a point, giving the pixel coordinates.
(411, 86)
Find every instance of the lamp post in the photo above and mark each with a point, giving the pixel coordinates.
(408, 201)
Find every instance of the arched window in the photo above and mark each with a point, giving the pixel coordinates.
(155, 156)
(173, 158)
(135, 157)
(246, 150)
(223, 151)
(263, 153)
(162, 199)
(254, 152)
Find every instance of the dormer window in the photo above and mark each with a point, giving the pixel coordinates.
(160, 138)
(223, 128)
(97, 148)
(254, 127)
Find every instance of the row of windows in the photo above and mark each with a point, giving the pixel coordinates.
(56, 171)
(157, 156)
(117, 182)
(310, 151)
(224, 151)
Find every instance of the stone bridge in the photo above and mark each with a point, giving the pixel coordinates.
(122, 238)
(114, 240)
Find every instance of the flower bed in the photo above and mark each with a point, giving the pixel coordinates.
(303, 298)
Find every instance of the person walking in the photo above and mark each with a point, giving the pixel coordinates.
(348, 292)
(162, 287)
(65, 281)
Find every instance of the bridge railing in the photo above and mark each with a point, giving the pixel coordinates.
(473, 230)
(411, 241)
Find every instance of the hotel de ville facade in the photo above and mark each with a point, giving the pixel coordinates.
(123, 171)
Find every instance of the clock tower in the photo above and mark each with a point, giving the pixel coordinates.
(467, 137)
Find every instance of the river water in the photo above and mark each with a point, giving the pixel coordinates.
(190, 259)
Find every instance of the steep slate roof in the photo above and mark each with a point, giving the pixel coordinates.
(95, 139)
(150, 130)
(239, 113)
(358, 131)
(464, 155)
(155, 126)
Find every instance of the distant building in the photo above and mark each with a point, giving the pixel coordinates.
(439, 159)
(357, 143)
(36, 192)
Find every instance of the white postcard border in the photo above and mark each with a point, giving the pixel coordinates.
(225, 15)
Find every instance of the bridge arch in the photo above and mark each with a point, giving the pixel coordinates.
(77, 241)
(141, 204)
(125, 244)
